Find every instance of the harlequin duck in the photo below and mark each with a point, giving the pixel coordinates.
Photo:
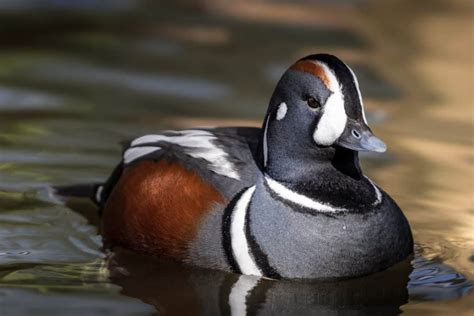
(288, 200)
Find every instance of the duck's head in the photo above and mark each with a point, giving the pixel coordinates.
(315, 109)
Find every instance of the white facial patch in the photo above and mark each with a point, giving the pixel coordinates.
(281, 113)
(195, 143)
(359, 93)
(334, 117)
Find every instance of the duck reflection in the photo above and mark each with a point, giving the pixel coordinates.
(182, 290)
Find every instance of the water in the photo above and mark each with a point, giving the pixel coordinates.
(74, 83)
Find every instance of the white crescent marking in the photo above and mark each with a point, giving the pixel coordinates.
(239, 243)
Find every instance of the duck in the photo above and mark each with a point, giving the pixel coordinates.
(288, 200)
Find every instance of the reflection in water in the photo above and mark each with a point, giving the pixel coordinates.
(73, 84)
(190, 291)
(186, 291)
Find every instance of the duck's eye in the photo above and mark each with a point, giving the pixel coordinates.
(313, 103)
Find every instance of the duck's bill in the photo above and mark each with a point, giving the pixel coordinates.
(358, 136)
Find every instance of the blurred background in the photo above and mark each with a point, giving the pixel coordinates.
(77, 77)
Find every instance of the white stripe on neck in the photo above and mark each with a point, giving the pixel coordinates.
(239, 243)
(300, 199)
(265, 145)
(378, 194)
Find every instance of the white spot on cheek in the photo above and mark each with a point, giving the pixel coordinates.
(281, 113)
(334, 117)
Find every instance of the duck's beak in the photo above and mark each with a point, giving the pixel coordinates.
(358, 136)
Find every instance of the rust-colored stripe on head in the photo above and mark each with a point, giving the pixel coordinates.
(312, 68)
(156, 208)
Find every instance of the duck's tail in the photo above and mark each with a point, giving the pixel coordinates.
(97, 192)
(92, 191)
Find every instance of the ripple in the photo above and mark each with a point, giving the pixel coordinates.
(47, 235)
(433, 280)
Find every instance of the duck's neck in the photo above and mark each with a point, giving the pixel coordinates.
(294, 167)
(328, 175)
(288, 153)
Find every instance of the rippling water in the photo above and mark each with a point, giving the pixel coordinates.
(74, 83)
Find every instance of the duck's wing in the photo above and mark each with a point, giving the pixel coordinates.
(223, 157)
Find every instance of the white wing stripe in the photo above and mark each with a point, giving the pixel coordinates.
(197, 144)
(134, 153)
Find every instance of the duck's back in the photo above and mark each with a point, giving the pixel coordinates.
(167, 183)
